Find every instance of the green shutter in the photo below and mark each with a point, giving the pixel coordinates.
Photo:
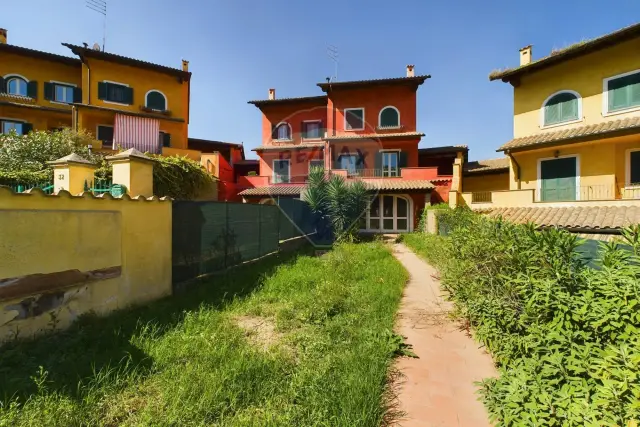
(32, 89)
(634, 168)
(303, 130)
(102, 90)
(3, 85)
(26, 128)
(128, 95)
(166, 139)
(403, 159)
(558, 179)
(49, 91)
(624, 92)
(562, 107)
(77, 95)
(389, 118)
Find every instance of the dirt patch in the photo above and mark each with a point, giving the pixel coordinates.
(259, 330)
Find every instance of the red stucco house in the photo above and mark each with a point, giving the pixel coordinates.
(362, 130)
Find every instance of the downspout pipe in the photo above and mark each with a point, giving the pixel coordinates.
(513, 159)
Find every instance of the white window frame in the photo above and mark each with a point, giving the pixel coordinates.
(113, 102)
(290, 132)
(9, 76)
(391, 150)
(380, 118)
(273, 170)
(409, 216)
(304, 123)
(315, 160)
(57, 83)
(166, 101)
(539, 176)
(605, 96)
(106, 126)
(344, 113)
(627, 168)
(544, 104)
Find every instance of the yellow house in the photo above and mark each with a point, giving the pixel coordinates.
(122, 101)
(576, 123)
(24, 74)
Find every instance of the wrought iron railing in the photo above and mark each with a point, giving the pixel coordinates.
(46, 187)
(481, 197)
(374, 173)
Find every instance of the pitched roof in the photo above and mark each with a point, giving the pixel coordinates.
(488, 165)
(374, 136)
(91, 53)
(396, 81)
(71, 158)
(570, 52)
(320, 99)
(576, 134)
(446, 149)
(9, 48)
(282, 147)
(574, 217)
(372, 185)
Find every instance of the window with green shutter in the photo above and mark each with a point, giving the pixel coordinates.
(623, 92)
(558, 179)
(115, 92)
(634, 168)
(156, 101)
(389, 118)
(560, 108)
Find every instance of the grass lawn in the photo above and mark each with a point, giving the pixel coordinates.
(295, 340)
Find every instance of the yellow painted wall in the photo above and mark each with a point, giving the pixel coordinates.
(584, 75)
(141, 80)
(486, 182)
(41, 120)
(48, 234)
(602, 164)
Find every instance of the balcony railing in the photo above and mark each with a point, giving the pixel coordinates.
(584, 192)
(631, 193)
(481, 197)
(374, 173)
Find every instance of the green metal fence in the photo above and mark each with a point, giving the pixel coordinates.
(46, 187)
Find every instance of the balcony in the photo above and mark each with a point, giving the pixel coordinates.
(426, 173)
(587, 195)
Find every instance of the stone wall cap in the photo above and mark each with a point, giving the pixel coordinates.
(71, 158)
(131, 154)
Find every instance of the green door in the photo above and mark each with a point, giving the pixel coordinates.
(558, 178)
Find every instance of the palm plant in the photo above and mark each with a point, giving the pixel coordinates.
(337, 202)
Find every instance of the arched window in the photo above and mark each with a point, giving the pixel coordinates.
(17, 86)
(156, 100)
(561, 107)
(389, 117)
(282, 131)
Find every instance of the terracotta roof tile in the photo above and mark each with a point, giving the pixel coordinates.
(575, 217)
(577, 133)
(372, 185)
(480, 166)
(569, 52)
(374, 136)
(319, 145)
(300, 99)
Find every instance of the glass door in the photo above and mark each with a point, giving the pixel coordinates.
(390, 163)
(389, 214)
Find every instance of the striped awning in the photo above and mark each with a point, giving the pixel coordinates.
(140, 133)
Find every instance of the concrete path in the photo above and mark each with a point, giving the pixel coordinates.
(438, 388)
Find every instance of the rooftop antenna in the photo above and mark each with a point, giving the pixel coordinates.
(100, 6)
(332, 53)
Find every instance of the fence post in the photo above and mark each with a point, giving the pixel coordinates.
(260, 229)
(71, 172)
(134, 170)
(226, 233)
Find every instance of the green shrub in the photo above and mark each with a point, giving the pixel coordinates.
(179, 177)
(566, 337)
(423, 214)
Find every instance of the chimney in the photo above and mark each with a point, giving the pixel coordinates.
(272, 94)
(525, 55)
(410, 72)
(3, 36)
(185, 65)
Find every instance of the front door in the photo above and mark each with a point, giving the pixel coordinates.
(388, 214)
(558, 179)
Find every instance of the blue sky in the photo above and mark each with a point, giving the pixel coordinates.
(239, 48)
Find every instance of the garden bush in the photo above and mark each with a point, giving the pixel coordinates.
(566, 337)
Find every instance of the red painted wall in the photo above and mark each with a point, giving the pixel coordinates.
(294, 115)
(299, 162)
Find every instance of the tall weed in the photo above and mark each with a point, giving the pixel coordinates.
(566, 337)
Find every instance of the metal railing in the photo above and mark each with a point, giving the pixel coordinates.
(481, 197)
(373, 173)
(631, 192)
(46, 187)
(583, 192)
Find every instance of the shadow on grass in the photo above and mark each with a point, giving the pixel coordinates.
(93, 343)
